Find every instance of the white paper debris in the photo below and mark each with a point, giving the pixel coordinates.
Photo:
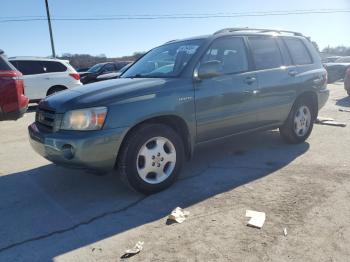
(321, 119)
(257, 219)
(179, 215)
(135, 250)
(285, 231)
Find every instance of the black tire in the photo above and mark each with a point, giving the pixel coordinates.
(128, 157)
(54, 90)
(288, 132)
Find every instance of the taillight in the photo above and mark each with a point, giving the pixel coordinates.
(10, 74)
(76, 76)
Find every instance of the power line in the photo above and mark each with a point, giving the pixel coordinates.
(180, 16)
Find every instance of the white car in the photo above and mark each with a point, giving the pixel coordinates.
(45, 76)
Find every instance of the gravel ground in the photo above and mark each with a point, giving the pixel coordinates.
(49, 213)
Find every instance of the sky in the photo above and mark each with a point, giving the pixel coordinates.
(124, 37)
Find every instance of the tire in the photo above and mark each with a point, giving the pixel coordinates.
(147, 166)
(299, 124)
(54, 90)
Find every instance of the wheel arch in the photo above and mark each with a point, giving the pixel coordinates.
(177, 123)
(60, 87)
(311, 96)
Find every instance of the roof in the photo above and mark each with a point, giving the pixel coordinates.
(242, 31)
(35, 58)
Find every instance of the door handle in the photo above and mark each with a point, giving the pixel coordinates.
(47, 78)
(252, 92)
(250, 80)
(292, 72)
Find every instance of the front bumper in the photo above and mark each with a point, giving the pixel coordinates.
(94, 150)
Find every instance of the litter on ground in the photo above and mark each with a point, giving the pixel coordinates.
(133, 251)
(321, 119)
(344, 110)
(257, 219)
(285, 231)
(332, 123)
(179, 215)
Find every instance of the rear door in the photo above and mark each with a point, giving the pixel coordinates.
(56, 74)
(35, 84)
(226, 104)
(276, 77)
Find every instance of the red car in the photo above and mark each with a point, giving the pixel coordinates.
(13, 102)
(347, 81)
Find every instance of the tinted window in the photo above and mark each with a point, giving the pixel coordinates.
(284, 51)
(52, 67)
(298, 51)
(266, 53)
(109, 68)
(29, 67)
(3, 65)
(231, 54)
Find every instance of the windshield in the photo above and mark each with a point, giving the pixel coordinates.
(95, 68)
(164, 61)
(343, 60)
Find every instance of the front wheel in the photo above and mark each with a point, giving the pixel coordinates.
(151, 158)
(300, 122)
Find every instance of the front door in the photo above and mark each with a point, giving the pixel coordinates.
(226, 103)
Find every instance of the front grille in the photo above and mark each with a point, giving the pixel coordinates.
(46, 119)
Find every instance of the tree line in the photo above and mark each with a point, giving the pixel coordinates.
(86, 60)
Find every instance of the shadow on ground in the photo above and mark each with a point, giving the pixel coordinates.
(49, 202)
(345, 102)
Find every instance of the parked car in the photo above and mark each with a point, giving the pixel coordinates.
(100, 69)
(113, 75)
(330, 59)
(347, 81)
(13, 102)
(45, 76)
(147, 122)
(82, 69)
(336, 70)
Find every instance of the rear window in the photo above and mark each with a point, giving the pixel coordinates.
(3, 65)
(53, 67)
(28, 67)
(266, 53)
(298, 51)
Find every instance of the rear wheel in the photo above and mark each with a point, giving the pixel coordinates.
(300, 122)
(151, 158)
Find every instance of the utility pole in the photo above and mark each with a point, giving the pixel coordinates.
(50, 28)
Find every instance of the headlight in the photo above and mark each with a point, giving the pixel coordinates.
(84, 119)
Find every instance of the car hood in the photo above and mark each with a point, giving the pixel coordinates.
(102, 93)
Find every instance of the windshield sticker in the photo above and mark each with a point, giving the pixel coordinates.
(189, 49)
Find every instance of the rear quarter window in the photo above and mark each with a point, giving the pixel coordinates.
(266, 53)
(53, 67)
(298, 51)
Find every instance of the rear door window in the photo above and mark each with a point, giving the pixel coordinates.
(266, 53)
(109, 68)
(29, 67)
(298, 51)
(53, 67)
(230, 52)
(287, 61)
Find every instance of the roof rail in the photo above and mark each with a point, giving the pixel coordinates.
(258, 30)
(171, 41)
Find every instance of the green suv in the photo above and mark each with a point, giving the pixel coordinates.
(179, 95)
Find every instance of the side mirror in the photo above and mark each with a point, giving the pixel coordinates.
(208, 70)
(1, 52)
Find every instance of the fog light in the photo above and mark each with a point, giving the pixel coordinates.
(68, 152)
